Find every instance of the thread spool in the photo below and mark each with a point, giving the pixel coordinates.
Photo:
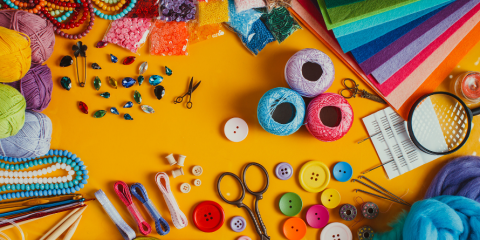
(329, 117)
(12, 111)
(309, 72)
(171, 159)
(369, 210)
(36, 87)
(281, 111)
(15, 55)
(181, 160)
(348, 212)
(177, 172)
(365, 233)
(39, 30)
(467, 86)
(33, 140)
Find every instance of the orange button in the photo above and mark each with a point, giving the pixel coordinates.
(294, 228)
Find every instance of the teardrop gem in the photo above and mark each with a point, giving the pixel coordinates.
(112, 82)
(128, 82)
(113, 58)
(97, 83)
(159, 91)
(127, 116)
(138, 97)
(143, 68)
(66, 61)
(114, 111)
(154, 80)
(105, 95)
(99, 113)
(140, 80)
(168, 71)
(129, 60)
(96, 66)
(83, 107)
(101, 44)
(147, 109)
(128, 105)
(66, 83)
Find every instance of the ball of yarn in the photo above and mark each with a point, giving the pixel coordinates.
(39, 30)
(442, 217)
(15, 55)
(33, 140)
(12, 111)
(270, 101)
(310, 72)
(460, 177)
(315, 125)
(36, 87)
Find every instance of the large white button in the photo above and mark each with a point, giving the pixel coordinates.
(336, 231)
(236, 129)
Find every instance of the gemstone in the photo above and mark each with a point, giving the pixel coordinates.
(96, 66)
(97, 83)
(140, 80)
(114, 111)
(99, 113)
(128, 82)
(129, 60)
(128, 105)
(168, 71)
(113, 58)
(127, 116)
(143, 68)
(159, 91)
(105, 95)
(112, 82)
(137, 97)
(66, 83)
(83, 107)
(147, 109)
(101, 44)
(66, 61)
(154, 80)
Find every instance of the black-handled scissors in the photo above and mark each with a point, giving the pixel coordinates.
(259, 225)
(191, 88)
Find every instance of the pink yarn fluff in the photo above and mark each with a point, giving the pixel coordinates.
(314, 123)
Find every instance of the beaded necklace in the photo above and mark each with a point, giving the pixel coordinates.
(31, 184)
(121, 14)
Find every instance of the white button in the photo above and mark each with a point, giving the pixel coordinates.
(336, 231)
(185, 188)
(236, 129)
(177, 172)
(197, 182)
(197, 170)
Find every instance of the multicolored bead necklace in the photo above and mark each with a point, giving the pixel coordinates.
(121, 14)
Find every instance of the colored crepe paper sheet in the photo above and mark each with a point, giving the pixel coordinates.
(390, 59)
(213, 11)
(338, 3)
(205, 32)
(242, 22)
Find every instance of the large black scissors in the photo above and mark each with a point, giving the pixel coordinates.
(259, 225)
(191, 88)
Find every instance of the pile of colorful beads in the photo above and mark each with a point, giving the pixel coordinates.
(177, 10)
(169, 38)
(242, 5)
(144, 9)
(129, 33)
(242, 22)
(280, 23)
(258, 37)
(200, 33)
(213, 11)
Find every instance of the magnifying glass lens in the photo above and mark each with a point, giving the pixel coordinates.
(440, 123)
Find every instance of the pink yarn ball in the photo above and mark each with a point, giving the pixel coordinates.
(315, 125)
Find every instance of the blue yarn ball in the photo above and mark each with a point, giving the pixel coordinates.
(269, 102)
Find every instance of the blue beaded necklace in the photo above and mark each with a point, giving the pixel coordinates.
(118, 15)
(26, 184)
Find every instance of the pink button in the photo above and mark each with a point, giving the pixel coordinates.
(317, 216)
(244, 238)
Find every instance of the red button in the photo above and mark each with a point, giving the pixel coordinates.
(208, 216)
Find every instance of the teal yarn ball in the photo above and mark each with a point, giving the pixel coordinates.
(12, 111)
(270, 101)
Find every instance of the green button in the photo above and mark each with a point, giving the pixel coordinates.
(290, 204)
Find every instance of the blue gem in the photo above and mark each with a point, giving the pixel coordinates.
(114, 111)
(127, 116)
(113, 58)
(128, 105)
(128, 82)
(154, 80)
(105, 94)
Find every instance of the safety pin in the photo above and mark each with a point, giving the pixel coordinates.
(80, 50)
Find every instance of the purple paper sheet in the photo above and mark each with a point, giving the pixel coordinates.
(389, 60)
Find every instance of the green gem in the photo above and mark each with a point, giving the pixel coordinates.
(168, 71)
(140, 80)
(137, 97)
(97, 83)
(105, 95)
(99, 113)
(66, 83)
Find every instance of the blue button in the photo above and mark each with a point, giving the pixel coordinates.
(342, 171)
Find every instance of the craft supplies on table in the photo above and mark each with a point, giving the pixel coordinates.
(337, 229)
(314, 176)
(236, 129)
(294, 228)
(208, 216)
(280, 23)
(169, 38)
(191, 89)
(123, 192)
(351, 91)
(290, 204)
(317, 216)
(129, 33)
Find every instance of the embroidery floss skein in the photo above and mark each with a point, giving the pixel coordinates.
(36, 87)
(15, 55)
(310, 72)
(12, 111)
(315, 125)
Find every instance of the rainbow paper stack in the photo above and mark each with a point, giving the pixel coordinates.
(403, 49)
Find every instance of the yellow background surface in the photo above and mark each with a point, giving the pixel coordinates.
(233, 82)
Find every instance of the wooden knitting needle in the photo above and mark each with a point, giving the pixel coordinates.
(59, 223)
(72, 229)
(66, 225)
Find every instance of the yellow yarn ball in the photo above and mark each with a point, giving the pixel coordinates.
(15, 55)
(12, 111)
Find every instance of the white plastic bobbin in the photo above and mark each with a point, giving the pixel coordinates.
(197, 182)
(185, 188)
(177, 172)
(197, 170)
(181, 160)
(171, 159)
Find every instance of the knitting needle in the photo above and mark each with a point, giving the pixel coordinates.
(375, 134)
(19, 223)
(66, 224)
(356, 180)
(60, 223)
(72, 229)
(389, 199)
(391, 194)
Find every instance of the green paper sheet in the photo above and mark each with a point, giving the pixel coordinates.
(338, 3)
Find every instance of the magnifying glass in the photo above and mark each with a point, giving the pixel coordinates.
(440, 123)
